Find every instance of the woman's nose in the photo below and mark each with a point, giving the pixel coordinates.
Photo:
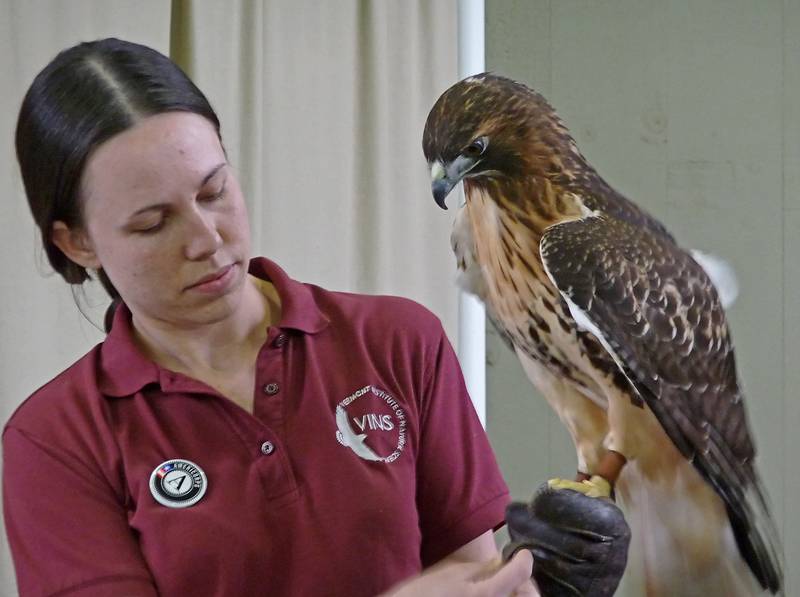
(204, 238)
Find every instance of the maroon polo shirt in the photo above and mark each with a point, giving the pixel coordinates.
(362, 463)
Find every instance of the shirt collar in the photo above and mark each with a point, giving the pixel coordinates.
(299, 309)
(124, 369)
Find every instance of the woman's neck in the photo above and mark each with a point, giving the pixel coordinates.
(221, 346)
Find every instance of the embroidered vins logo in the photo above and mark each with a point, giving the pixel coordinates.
(372, 424)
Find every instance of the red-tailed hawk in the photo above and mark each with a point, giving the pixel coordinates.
(621, 329)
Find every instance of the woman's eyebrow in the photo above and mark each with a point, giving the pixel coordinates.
(211, 174)
(158, 206)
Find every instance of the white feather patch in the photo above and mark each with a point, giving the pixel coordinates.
(470, 278)
(722, 276)
(586, 324)
(579, 315)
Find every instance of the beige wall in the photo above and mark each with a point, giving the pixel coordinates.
(689, 107)
(41, 330)
(322, 107)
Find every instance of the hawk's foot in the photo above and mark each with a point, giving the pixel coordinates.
(595, 486)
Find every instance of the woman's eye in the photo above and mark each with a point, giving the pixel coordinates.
(214, 196)
(150, 229)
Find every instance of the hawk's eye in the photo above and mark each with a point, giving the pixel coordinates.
(476, 148)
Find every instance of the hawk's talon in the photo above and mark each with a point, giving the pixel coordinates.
(596, 486)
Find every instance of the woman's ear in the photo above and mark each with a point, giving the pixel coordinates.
(75, 244)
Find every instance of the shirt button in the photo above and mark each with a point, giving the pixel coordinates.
(279, 341)
(271, 388)
(267, 448)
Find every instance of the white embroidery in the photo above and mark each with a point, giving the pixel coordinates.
(374, 423)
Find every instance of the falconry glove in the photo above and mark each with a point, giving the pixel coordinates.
(579, 543)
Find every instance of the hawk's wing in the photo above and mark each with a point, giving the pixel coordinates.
(657, 312)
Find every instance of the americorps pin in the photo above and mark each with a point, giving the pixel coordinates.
(178, 483)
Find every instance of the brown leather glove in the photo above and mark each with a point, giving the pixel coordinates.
(579, 543)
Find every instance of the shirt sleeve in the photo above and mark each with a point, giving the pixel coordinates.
(67, 530)
(461, 493)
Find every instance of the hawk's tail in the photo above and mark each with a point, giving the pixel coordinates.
(680, 547)
(756, 536)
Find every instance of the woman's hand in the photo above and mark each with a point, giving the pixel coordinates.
(472, 579)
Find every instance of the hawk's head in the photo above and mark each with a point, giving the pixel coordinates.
(487, 125)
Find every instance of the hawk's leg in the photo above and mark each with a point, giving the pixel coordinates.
(628, 427)
(604, 438)
(609, 468)
(601, 483)
(585, 420)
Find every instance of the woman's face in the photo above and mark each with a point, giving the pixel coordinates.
(165, 219)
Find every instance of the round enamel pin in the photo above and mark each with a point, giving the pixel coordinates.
(178, 483)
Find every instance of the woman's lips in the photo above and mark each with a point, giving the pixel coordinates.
(215, 282)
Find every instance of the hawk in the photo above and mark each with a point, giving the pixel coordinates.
(622, 331)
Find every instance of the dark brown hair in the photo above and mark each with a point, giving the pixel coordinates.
(87, 94)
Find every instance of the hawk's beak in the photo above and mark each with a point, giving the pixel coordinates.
(445, 177)
(441, 185)
(440, 190)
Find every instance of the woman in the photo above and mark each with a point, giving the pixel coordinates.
(238, 432)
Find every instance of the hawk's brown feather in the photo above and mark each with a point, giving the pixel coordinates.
(540, 228)
(661, 315)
